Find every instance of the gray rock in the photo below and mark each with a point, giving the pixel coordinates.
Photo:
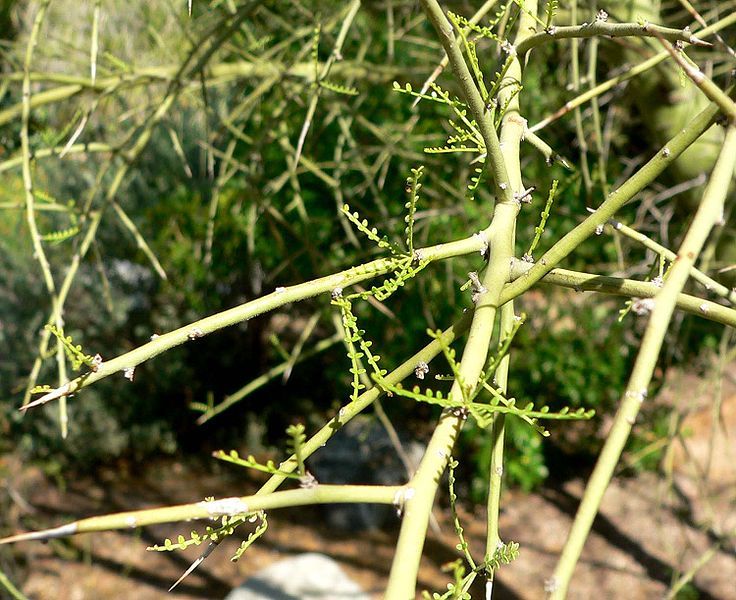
(308, 576)
(361, 453)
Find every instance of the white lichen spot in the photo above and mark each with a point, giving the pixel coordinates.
(508, 48)
(131, 521)
(721, 220)
(459, 412)
(638, 395)
(666, 152)
(421, 370)
(401, 497)
(551, 585)
(153, 336)
(195, 333)
(128, 373)
(224, 507)
(308, 481)
(280, 290)
(704, 308)
(341, 413)
(642, 306)
(481, 236)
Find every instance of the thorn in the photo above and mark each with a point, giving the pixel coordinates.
(64, 390)
(207, 551)
(430, 80)
(44, 534)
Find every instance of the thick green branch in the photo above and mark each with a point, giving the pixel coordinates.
(629, 288)
(422, 488)
(238, 314)
(225, 507)
(617, 199)
(472, 97)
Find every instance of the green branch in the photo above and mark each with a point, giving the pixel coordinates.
(225, 507)
(423, 486)
(707, 282)
(617, 199)
(238, 314)
(600, 27)
(709, 213)
(629, 288)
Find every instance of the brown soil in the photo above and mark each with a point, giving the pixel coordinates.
(651, 528)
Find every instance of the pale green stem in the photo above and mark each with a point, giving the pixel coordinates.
(71, 272)
(689, 575)
(629, 74)
(498, 437)
(38, 249)
(422, 488)
(224, 507)
(617, 199)
(85, 148)
(704, 83)
(280, 297)
(139, 239)
(222, 178)
(14, 592)
(216, 75)
(708, 283)
(579, 131)
(261, 380)
(602, 28)
(513, 128)
(323, 73)
(629, 288)
(709, 212)
(475, 19)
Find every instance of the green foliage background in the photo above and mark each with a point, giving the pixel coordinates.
(274, 228)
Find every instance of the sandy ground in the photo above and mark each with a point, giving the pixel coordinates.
(652, 528)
